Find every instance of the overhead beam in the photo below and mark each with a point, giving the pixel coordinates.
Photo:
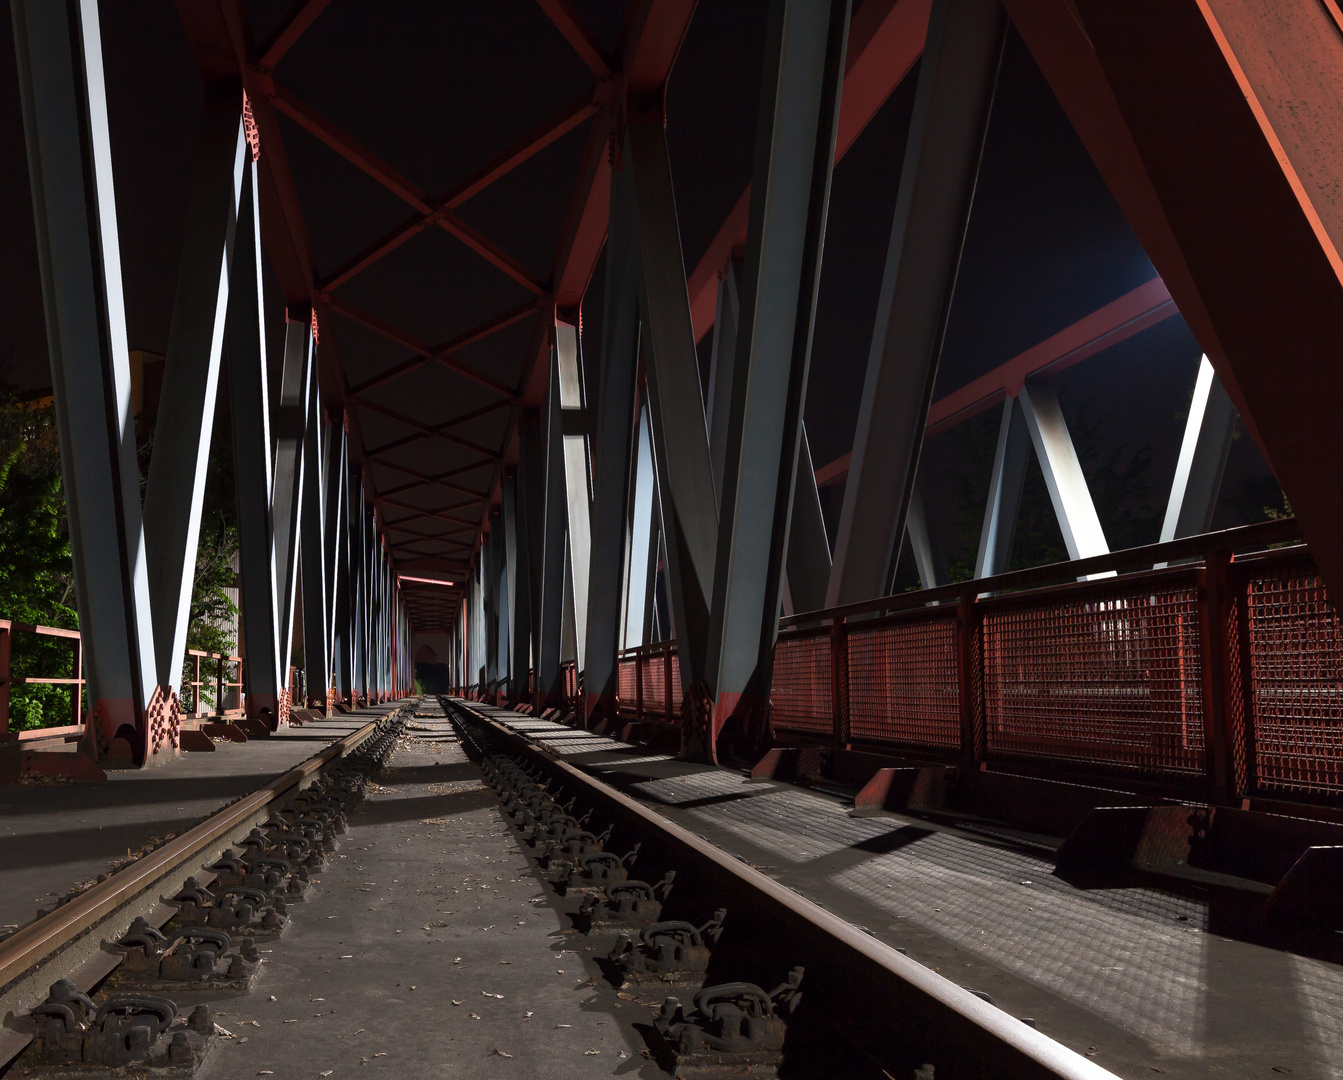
(424, 351)
(570, 24)
(528, 146)
(301, 16)
(433, 430)
(287, 102)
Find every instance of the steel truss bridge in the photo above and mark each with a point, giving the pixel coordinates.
(456, 466)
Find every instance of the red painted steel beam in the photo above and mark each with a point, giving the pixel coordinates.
(885, 41)
(427, 480)
(431, 566)
(401, 526)
(485, 452)
(458, 471)
(531, 144)
(291, 28)
(1117, 321)
(445, 515)
(569, 23)
(425, 353)
(1235, 111)
(364, 159)
(436, 429)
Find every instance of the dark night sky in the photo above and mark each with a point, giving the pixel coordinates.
(1046, 243)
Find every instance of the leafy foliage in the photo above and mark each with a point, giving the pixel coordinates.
(36, 577)
(36, 573)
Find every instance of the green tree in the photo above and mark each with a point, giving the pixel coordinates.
(36, 577)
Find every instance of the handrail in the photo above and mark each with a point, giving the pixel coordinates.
(1238, 539)
(1241, 538)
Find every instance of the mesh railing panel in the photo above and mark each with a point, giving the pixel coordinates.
(903, 683)
(677, 692)
(1110, 677)
(802, 694)
(627, 685)
(655, 685)
(1296, 682)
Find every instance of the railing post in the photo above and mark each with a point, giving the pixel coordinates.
(639, 684)
(1244, 661)
(1219, 746)
(839, 680)
(667, 682)
(967, 630)
(219, 684)
(77, 687)
(4, 678)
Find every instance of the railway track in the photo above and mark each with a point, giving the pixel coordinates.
(869, 1010)
(68, 942)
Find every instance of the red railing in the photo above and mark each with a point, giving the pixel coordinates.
(7, 630)
(1222, 674)
(192, 690)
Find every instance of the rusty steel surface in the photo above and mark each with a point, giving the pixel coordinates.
(1294, 680)
(1110, 677)
(903, 684)
(802, 696)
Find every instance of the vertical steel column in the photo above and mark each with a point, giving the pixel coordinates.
(313, 546)
(937, 180)
(807, 573)
(342, 568)
(332, 560)
(515, 548)
(176, 485)
(554, 546)
(1067, 484)
(1203, 453)
(642, 541)
(250, 412)
(790, 194)
(291, 421)
(577, 484)
(1004, 500)
(688, 505)
(722, 364)
(531, 542)
(495, 571)
(612, 442)
(60, 69)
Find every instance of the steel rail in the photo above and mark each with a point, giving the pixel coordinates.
(29, 957)
(1000, 1045)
